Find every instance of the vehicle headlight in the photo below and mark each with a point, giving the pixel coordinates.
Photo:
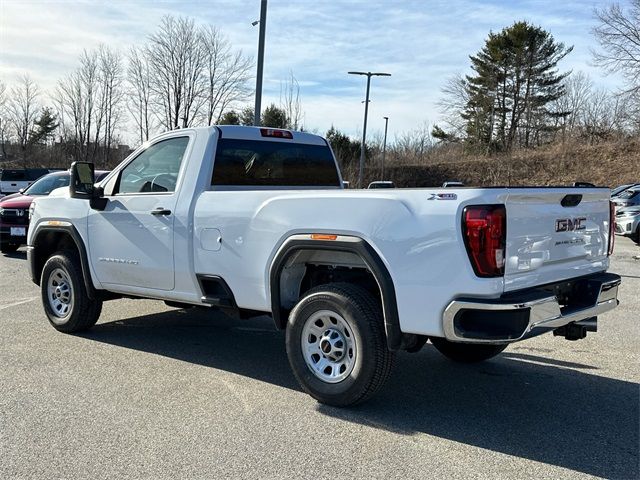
(1, 210)
(32, 208)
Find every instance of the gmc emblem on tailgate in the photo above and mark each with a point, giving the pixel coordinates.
(570, 224)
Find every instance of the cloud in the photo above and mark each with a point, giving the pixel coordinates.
(420, 43)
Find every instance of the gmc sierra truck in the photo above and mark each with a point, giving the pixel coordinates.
(255, 221)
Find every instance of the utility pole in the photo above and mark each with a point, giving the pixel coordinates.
(263, 31)
(384, 144)
(366, 112)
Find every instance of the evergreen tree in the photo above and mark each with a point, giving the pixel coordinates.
(43, 127)
(515, 78)
(230, 117)
(274, 117)
(247, 116)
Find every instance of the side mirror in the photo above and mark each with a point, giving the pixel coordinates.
(21, 191)
(82, 180)
(82, 185)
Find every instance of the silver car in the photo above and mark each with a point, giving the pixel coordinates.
(628, 198)
(628, 222)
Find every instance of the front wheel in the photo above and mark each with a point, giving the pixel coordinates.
(64, 296)
(466, 352)
(337, 346)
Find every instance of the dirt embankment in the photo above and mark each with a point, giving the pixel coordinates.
(607, 164)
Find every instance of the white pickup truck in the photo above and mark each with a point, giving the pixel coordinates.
(255, 221)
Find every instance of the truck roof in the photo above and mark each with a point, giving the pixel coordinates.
(241, 132)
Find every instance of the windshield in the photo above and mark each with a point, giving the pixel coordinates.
(47, 184)
(621, 188)
(628, 194)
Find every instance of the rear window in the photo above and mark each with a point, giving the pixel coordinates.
(13, 175)
(257, 163)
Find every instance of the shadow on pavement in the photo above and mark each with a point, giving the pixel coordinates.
(19, 254)
(548, 411)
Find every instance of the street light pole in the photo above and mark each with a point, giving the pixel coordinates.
(364, 128)
(384, 144)
(263, 29)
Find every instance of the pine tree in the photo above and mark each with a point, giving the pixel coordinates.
(43, 127)
(274, 117)
(515, 78)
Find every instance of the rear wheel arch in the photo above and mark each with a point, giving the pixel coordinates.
(352, 252)
(51, 239)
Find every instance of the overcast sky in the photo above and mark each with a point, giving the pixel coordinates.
(421, 43)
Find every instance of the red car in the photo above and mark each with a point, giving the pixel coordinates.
(14, 209)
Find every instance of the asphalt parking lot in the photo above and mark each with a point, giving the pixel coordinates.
(155, 392)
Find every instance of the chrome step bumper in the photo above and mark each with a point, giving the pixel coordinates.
(525, 314)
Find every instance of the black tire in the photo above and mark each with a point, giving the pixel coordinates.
(82, 312)
(9, 247)
(466, 352)
(636, 237)
(371, 362)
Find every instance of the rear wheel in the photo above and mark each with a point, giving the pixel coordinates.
(466, 352)
(337, 346)
(64, 296)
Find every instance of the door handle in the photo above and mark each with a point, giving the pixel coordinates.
(160, 211)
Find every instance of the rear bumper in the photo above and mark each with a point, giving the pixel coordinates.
(527, 313)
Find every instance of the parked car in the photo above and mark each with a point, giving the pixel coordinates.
(382, 184)
(628, 198)
(453, 184)
(628, 222)
(618, 190)
(255, 221)
(14, 180)
(14, 208)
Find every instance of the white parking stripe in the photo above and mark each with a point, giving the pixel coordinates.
(19, 302)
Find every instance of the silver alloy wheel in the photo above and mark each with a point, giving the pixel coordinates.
(60, 293)
(328, 346)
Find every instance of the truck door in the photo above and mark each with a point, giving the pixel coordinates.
(131, 240)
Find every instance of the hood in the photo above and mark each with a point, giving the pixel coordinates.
(622, 211)
(10, 196)
(21, 201)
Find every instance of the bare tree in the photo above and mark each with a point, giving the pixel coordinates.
(605, 116)
(177, 64)
(290, 102)
(226, 74)
(77, 99)
(139, 92)
(414, 145)
(110, 72)
(570, 108)
(455, 97)
(23, 111)
(618, 34)
(4, 117)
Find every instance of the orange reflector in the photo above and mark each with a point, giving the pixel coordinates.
(323, 236)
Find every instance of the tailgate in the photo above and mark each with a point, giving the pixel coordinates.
(555, 234)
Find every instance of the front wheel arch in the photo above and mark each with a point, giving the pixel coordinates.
(51, 239)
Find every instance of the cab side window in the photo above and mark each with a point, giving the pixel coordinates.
(154, 170)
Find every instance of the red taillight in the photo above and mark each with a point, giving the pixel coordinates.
(484, 228)
(271, 132)
(612, 225)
